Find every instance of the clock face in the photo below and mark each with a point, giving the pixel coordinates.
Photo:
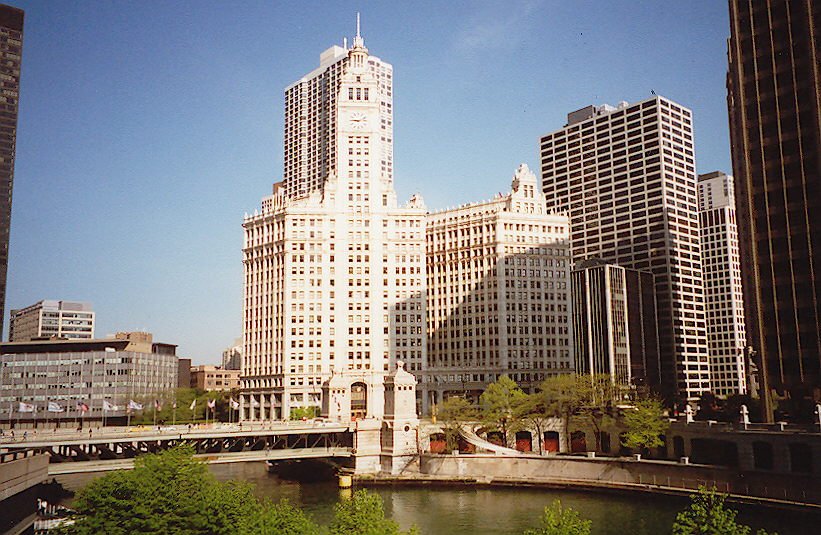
(358, 120)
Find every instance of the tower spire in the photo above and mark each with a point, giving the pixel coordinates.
(358, 41)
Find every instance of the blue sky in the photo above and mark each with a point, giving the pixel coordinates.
(147, 129)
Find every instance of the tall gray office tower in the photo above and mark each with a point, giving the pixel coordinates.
(626, 175)
(11, 49)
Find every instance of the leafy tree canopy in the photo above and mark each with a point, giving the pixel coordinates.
(170, 492)
(558, 520)
(453, 412)
(499, 401)
(708, 515)
(363, 515)
(645, 425)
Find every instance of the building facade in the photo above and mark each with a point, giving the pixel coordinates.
(11, 50)
(615, 331)
(232, 356)
(214, 378)
(311, 127)
(626, 175)
(334, 272)
(69, 372)
(50, 318)
(723, 294)
(498, 295)
(774, 102)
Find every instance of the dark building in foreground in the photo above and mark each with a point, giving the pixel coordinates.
(11, 49)
(614, 323)
(773, 99)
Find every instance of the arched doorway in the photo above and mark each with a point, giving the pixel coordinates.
(359, 401)
(524, 441)
(763, 455)
(438, 444)
(678, 447)
(578, 442)
(800, 457)
(551, 441)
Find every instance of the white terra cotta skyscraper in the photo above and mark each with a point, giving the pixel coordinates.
(334, 268)
(722, 283)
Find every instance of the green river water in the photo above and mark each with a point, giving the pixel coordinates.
(449, 510)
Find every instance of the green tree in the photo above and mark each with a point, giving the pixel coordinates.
(498, 402)
(596, 401)
(558, 520)
(298, 413)
(708, 515)
(170, 492)
(645, 425)
(562, 396)
(453, 412)
(285, 519)
(529, 409)
(363, 514)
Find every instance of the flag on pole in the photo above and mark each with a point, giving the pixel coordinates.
(157, 404)
(254, 403)
(193, 405)
(234, 404)
(82, 407)
(212, 403)
(134, 406)
(55, 407)
(109, 407)
(26, 407)
(174, 405)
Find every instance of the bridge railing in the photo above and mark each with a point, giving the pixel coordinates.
(8, 456)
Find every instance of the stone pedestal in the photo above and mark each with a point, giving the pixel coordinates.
(400, 428)
(367, 446)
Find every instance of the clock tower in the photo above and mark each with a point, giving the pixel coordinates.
(361, 147)
(335, 267)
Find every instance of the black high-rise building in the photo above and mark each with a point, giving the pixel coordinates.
(11, 50)
(773, 99)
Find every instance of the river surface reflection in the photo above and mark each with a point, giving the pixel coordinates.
(496, 511)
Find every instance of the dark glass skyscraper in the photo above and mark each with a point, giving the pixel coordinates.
(773, 100)
(11, 49)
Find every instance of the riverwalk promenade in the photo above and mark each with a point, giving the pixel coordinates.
(618, 474)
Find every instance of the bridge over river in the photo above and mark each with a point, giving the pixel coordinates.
(112, 448)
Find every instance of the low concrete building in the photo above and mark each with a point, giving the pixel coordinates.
(60, 380)
(214, 378)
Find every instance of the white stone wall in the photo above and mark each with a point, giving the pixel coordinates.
(335, 280)
(498, 293)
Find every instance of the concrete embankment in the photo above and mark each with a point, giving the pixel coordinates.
(605, 474)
